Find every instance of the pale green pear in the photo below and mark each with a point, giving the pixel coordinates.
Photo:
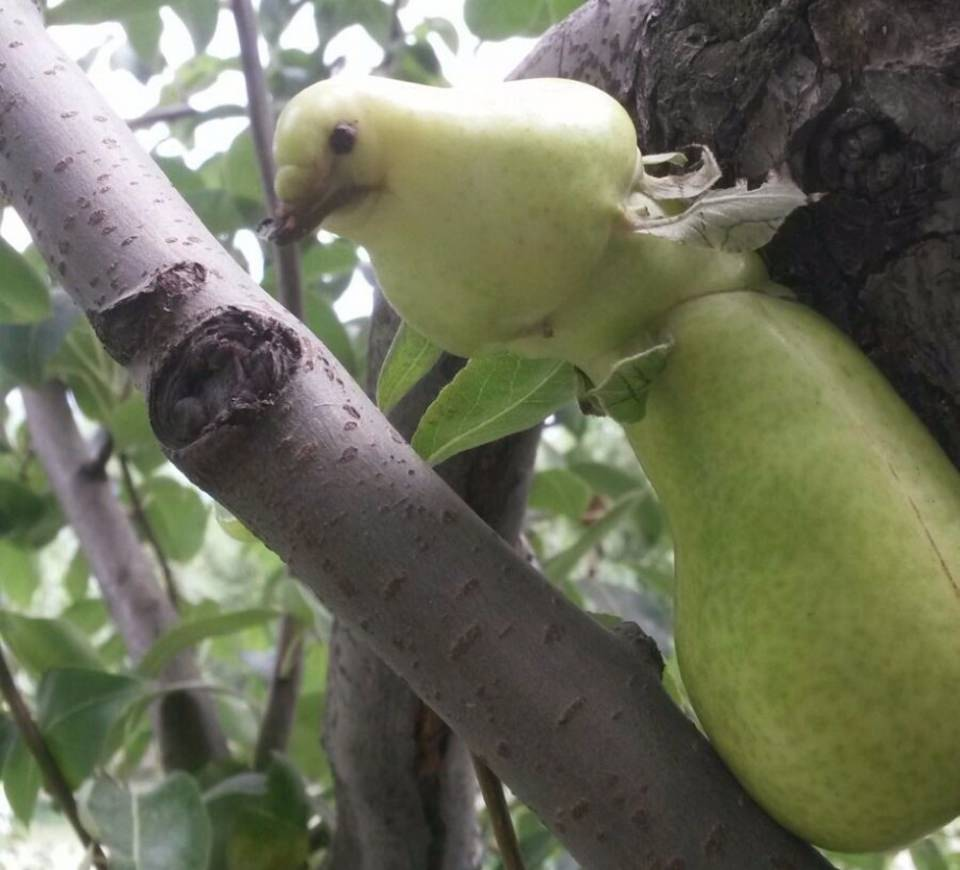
(817, 534)
(816, 522)
(485, 211)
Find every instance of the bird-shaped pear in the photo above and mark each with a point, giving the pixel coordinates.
(816, 521)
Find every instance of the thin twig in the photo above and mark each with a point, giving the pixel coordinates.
(182, 112)
(395, 40)
(169, 584)
(285, 684)
(261, 128)
(284, 688)
(493, 796)
(96, 468)
(53, 778)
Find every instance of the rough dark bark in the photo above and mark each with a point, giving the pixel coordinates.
(185, 721)
(258, 413)
(860, 100)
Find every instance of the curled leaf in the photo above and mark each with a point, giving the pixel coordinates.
(623, 395)
(685, 185)
(685, 208)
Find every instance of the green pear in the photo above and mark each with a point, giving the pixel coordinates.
(817, 523)
(484, 212)
(817, 533)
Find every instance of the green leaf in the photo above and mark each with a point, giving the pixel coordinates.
(177, 516)
(20, 506)
(409, 358)
(26, 348)
(186, 634)
(197, 74)
(21, 780)
(216, 208)
(40, 644)
(490, 398)
(87, 614)
(231, 525)
(608, 479)
(141, 55)
(304, 747)
(332, 16)
(164, 827)
(8, 735)
(18, 574)
(97, 382)
(287, 792)
(77, 709)
(262, 841)
(325, 325)
(95, 11)
(77, 576)
(623, 395)
(444, 28)
(500, 19)
(927, 855)
(200, 18)
(559, 566)
(24, 297)
(260, 820)
(241, 174)
(672, 682)
(129, 424)
(559, 491)
(323, 259)
(27, 517)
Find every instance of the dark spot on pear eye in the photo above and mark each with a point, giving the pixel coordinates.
(343, 137)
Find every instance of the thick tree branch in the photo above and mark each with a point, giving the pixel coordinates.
(185, 722)
(526, 678)
(417, 798)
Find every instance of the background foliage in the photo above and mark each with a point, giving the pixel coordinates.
(587, 501)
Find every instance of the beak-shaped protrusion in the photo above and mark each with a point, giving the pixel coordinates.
(296, 220)
(286, 226)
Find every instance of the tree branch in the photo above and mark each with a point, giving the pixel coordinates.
(278, 717)
(277, 723)
(525, 677)
(53, 778)
(147, 529)
(186, 723)
(181, 112)
(287, 258)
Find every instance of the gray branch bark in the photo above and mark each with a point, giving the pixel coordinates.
(412, 805)
(185, 722)
(524, 677)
